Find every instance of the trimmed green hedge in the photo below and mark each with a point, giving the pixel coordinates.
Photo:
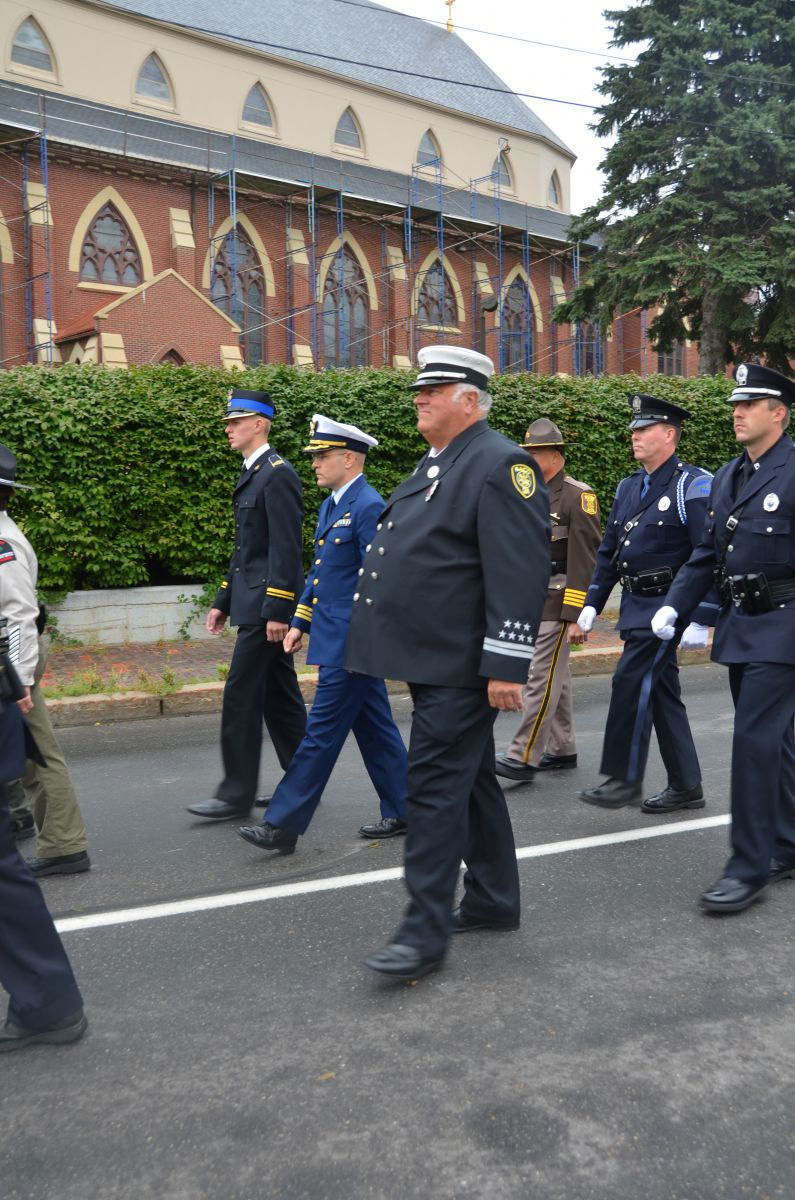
(133, 474)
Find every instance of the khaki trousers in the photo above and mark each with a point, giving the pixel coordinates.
(48, 791)
(547, 724)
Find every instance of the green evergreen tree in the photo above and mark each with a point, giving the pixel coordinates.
(698, 209)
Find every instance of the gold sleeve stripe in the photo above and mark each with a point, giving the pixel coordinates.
(224, 584)
(304, 612)
(572, 597)
(280, 592)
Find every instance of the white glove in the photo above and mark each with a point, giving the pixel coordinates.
(695, 635)
(663, 622)
(586, 619)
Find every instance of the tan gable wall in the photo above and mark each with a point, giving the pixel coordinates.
(99, 53)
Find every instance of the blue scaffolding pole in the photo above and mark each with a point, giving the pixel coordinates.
(228, 180)
(31, 344)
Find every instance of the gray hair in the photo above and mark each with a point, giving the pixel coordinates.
(484, 399)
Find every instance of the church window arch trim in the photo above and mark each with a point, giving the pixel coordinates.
(354, 246)
(554, 191)
(349, 134)
(108, 195)
(31, 51)
(153, 85)
(258, 113)
(247, 225)
(452, 279)
(429, 152)
(518, 272)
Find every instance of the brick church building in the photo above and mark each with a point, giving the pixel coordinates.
(303, 181)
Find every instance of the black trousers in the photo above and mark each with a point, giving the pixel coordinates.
(34, 968)
(261, 684)
(646, 692)
(763, 768)
(456, 810)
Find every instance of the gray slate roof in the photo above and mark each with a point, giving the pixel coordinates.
(367, 32)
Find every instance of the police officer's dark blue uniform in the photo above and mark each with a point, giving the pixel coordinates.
(749, 540)
(655, 522)
(343, 702)
(45, 1004)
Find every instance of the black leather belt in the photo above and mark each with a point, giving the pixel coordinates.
(757, 594)
(559, 568)
(648, 583)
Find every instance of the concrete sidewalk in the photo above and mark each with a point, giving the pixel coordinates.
(85, 685)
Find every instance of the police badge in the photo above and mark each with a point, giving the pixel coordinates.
(742, 375)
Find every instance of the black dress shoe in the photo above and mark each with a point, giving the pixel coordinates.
(613, 793)
(780, 870)
(269, 837)
(511, 768)
(402, 962)
(386, 827)
(463, 923)
(61, 864)
(263, 801)
(669, 800)
(218, 810)
(70, 1029)
(24, 827)
(730, 895)
(557, 762)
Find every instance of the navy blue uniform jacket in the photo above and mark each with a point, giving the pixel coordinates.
(664, 535)
(456, 577)
(265, 572)
(763, 542)
(343, 532)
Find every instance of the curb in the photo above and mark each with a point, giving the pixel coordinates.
(195, 698)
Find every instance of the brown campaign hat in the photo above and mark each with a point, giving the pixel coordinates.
(543, 434)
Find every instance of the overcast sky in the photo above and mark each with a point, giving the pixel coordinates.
(541, 70)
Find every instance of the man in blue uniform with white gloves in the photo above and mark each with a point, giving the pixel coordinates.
(749, 548)
(656, 520)
(346, 525)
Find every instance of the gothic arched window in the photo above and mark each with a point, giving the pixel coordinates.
(109, 253)
(436, 302)
(238, 288)
(517, 328)
(428, 151)
(346, 311)
(256, 110)
(502, 172)
(30, 48)
(347, 132)
(152, 83)
(553, 191)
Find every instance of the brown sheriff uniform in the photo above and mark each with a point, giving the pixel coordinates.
(547, 725)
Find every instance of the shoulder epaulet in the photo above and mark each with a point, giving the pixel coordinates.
(275, 461)
(583, 487)
(6, 552)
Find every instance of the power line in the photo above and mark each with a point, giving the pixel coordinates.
(509, 37)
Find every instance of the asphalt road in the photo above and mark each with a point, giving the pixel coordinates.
(621, 1045)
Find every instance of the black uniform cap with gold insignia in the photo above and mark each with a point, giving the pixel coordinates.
(543, 434)
(754, 381)
(650, 410)
(325, 434)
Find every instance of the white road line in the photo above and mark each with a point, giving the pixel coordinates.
(178, 908)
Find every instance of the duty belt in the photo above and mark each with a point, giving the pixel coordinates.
(559, 568)
(756, 594)
(648, 583)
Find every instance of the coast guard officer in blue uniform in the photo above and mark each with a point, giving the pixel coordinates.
(45, 1002)
(343, 702)
(258, 595)
(749, 545)
(656, 520)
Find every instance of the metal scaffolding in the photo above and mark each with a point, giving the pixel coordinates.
(22, 159)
